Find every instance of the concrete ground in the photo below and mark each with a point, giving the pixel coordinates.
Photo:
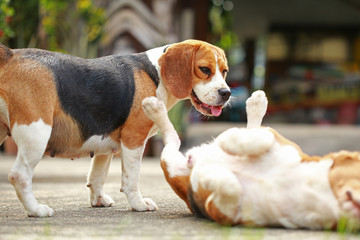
(61, 183)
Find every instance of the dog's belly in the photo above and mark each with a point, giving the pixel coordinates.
(286, 192)
(67, 141)
(277, 189)
(95, 145)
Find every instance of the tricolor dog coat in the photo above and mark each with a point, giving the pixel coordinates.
(255, 177)
(70, 107)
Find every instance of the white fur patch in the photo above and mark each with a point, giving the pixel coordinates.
(31, 138)
(99, 145)
(161, 91)
(201, 156)
(276, 187)
(177, 164)
(131, 160)
(31, 141)
(154, 55)
(241, 141)
(4, 112)
(256, 107)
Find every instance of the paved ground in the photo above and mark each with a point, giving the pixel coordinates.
(61, 184)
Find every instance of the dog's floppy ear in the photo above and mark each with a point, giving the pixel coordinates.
(177, 68)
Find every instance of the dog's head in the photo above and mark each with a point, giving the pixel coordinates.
(345, 183)
(196, 70)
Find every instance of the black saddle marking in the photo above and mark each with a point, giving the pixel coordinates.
(98, 93)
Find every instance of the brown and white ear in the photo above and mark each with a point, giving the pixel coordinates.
(177, 67)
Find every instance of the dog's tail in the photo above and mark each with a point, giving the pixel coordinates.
(5, 54)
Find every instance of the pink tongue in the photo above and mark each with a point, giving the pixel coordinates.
(216, 111)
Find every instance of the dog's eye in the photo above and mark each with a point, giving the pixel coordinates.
(205, 70)
(224, 72)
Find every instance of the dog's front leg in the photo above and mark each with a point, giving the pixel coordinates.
(176, 167)
(96, 178)
(131, 161)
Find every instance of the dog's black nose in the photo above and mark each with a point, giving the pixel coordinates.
(224, 93)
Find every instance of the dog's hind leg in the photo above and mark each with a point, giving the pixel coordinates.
(31, 140)
(223, 202)
(96, 178)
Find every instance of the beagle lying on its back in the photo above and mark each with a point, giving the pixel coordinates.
(71, 107)
(254, 176)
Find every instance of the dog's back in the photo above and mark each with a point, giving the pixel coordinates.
(5, 54)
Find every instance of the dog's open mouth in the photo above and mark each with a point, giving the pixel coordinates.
(205, 108)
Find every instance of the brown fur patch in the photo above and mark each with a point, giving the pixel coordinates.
(136, 128)
(179, 183)
(216, 215)
(205, 57)
(345, 172)
(281, 139)
(5, 53)
(29, 89)
(177, 69)
(180, 65)
(200, 197)
(65, 137)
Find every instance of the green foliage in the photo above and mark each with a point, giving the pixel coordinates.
(6, 14)
(348, 225)
(24, 23)
(73, 26)
(95, 18)
(177, 117)
(222, 27)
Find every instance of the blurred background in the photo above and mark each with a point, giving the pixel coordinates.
(305, 54)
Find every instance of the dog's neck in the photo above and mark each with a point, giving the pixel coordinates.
(161, 92)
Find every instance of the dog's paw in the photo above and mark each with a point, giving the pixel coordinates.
(101, 201)
(154, 109)
(41, 211)
(145, 204)
(256, 107)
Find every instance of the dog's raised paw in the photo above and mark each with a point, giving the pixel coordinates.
(154, 109)
(257, 102)
(256, 107)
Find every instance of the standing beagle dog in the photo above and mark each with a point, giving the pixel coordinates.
(70, 107)
(253, 176)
